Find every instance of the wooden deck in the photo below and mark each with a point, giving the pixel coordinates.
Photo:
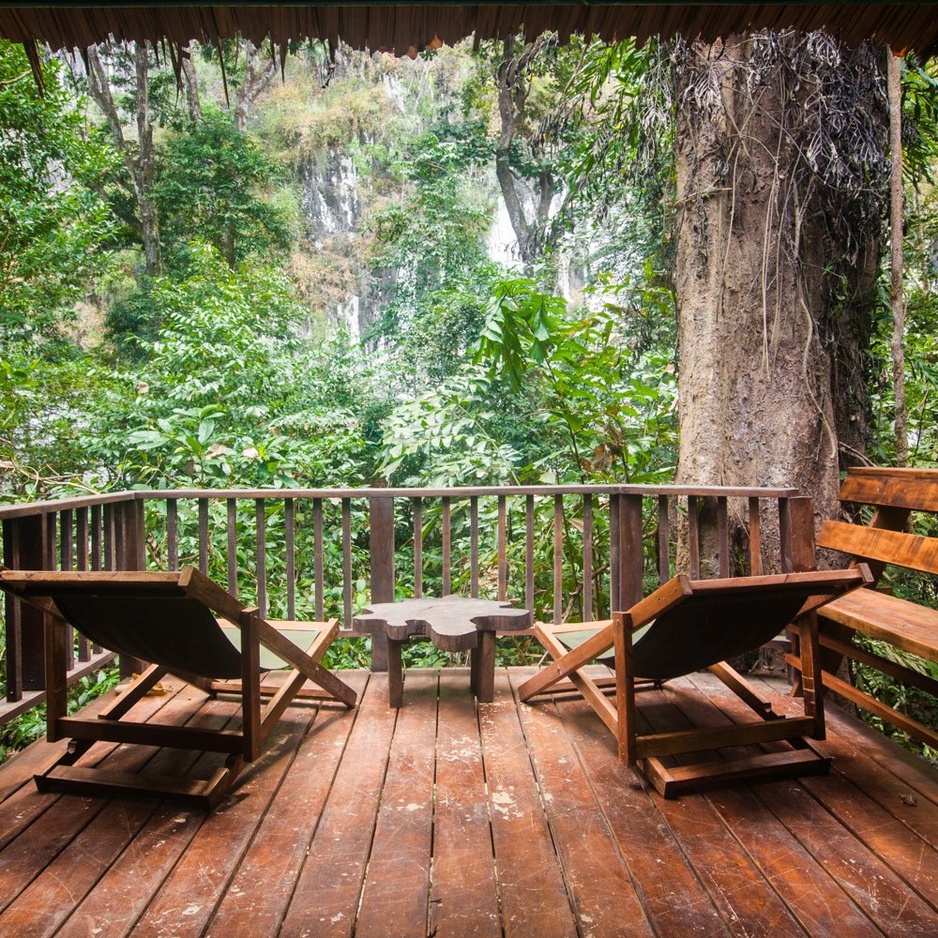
(449, 819)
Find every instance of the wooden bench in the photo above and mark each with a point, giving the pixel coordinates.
(906, 625)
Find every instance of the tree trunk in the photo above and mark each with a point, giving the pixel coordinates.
(897, 297)
(191, 79)
(146, 165)
(256, 79)
(140, 161)
(512, 96)
(770, 352)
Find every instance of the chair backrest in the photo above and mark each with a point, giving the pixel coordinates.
(709, 621)
(710, 627)
(156, 617)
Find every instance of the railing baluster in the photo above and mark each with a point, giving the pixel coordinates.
(418, 548)
(723, 533)
(614, 551)
(558, 558)
(66, 540)
(97, 527)
(630, 550)
(587, 557)
(260, 516)
(447, 534)
(66, 562)
(110, 560)
(529, 552)
(81, 563)
(318, 563)
(502, 548)
(289, 530)
(231, 558)
(203, 535)
(172, 533)
(474, 546)
(664, 540)
(81, 539)
(347, 586)
(755, 538)
(693, 537)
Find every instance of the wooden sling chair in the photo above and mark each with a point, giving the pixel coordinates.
(691, 625)
(188, 626)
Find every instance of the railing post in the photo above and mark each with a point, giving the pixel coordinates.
(631, 560)
(25, 547)
(129, 554)
(381, 527)
(796, 533)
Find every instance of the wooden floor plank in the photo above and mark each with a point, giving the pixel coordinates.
(189, 895)
(533, 894)
(394, 897)
(886, 783)
(58, 818)
(464, 890)
(597, 879)
(866, 849)
(325, 902)
(746, 903)
(52, 896)
(278, 849)
(22, 803)
(673, 897)
(40, 909)
(537, 830)
(815, 898)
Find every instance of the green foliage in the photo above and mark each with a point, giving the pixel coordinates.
(54, 227)
(433, 241)
(215, 184)
(614, 423)
(225, 396)
(30, 726)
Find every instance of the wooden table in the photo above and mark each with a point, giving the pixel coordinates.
(452, 623)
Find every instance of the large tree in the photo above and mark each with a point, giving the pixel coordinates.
(781, 169)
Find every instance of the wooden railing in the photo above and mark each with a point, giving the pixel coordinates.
(567, 552)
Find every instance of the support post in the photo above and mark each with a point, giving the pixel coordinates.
(381, 527)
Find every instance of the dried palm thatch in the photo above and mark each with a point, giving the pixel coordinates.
(407, 28)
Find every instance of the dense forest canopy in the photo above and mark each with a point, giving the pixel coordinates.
(335, 267)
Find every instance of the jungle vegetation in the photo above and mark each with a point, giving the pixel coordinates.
(276, 267)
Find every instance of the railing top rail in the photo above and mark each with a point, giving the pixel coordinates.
(457, 492)
(472, 491)
(63, 504)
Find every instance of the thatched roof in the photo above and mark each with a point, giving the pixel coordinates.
(409, 27)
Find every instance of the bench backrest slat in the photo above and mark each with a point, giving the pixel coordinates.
(894, 547)
(896, 491)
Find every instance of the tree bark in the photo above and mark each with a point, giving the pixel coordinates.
(140, 165)
(897, 297)
(256, 79)
(769, 378)
(512, 95)
(191, 80)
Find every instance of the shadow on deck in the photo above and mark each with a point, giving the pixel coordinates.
(447, 818)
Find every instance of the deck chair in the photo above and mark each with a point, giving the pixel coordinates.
(691, 625)
(188, 626)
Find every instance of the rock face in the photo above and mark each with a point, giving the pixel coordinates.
(332, 200)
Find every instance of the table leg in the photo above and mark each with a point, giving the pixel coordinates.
(482, 667)
(395, 674)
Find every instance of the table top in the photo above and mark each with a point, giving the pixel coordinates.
(452, 623)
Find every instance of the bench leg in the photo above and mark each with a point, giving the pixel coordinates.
(482, 665)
